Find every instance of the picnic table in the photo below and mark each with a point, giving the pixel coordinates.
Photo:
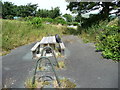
(47, 41)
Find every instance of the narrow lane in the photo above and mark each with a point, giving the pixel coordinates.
(87, 67)
(16, 66)
(83, 64)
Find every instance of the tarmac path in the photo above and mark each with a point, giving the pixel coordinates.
(83, 65)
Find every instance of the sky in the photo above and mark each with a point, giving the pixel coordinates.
(44, 4)
(47, 4)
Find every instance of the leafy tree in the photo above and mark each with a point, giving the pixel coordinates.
(78, 18)
(8, 10)
(27, 10)
(43, 13)
(85, 7)
(59, 20)
(53, 13)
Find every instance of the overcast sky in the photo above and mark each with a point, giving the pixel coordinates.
(43, 4)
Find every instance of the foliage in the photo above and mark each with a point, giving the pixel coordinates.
(68, 17)
(109, 42)
(84, 7)
(42, 13)
(8, 10)
(26, 10)
(50, 20)
(72, 23)
(9, 17)
(78, 18)
(59, 20)
(106, 36)
(36, 22)
(75, 23)
(81, 8)
(28, 18)
(16, 33)
(53, 13)
(88, 22)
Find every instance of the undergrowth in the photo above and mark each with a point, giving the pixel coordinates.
(106, 37)
(16, 33)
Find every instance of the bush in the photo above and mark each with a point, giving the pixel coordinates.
(47, 20)
(106, 36)
(59, 20)
(72, 23)
(75, 23)
(36, 22)
(9, 17)
(28, 18)
(69, 23)
(109, 42)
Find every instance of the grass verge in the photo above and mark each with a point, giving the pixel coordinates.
(17, 33)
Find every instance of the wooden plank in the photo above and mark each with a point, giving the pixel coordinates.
(35, 46)
(62, 45)
(47, 40)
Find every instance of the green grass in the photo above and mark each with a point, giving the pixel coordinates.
(16, 33)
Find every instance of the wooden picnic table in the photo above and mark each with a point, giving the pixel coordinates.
(46, 41)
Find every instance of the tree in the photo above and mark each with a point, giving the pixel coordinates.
(27, 10)
(84, 7)
(8, 10)
(53, 13)
(43, 13)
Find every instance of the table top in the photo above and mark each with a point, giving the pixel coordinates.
(48, 40)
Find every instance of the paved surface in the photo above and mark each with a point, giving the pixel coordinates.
(16, 66)
(87, 67)
(83, 65)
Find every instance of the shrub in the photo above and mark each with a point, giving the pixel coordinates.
(109, 42)
(106, 36)
(69, 23)
(47, 20)
(28, 18)
(36, 22)
(9, 17)
(59, 20)
(75, 23)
